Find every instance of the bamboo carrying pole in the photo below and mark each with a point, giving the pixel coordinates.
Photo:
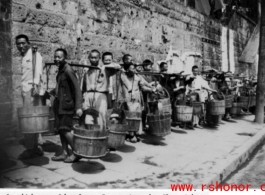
(261, 70)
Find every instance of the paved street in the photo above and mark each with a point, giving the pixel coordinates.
(191, 156)
(252, 172)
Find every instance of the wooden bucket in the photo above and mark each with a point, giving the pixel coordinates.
(213, 119)
(215, 107)
(133, 119)
(229, 101)
(236, 108)
(159, 125)
(90, 143)
(51, 124)
(245, 101)
(197, 108)
(117, 134)
(184, 113)
(33, 119)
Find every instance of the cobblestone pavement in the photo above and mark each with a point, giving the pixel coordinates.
(184, 156)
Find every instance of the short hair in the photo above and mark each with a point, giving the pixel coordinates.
(125, 56)
(62, 50)
(107, 54)
(22, 36)
(162, 64)
(195, 67)
(147, 62)
(95, 51)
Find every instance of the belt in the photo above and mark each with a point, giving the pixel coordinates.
(93, 91)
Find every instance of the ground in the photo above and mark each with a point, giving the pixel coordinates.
(197, 156)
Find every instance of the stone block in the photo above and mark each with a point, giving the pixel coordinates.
(19, 12)
(45, 18)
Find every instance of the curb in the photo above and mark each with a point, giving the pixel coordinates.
(240, 156)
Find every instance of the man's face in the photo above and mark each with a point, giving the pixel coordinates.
(228, 82)
(127, 60)
(22, 45)
(164, 68)
(148, 67)
(59, 58)
(139, 68)
(94, 58)
(195, 71)
(131, 70)
(107, 60)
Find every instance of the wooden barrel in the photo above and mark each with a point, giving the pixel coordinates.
(229, 101)
(34, 119)
(197, 108)
(245, 101)
(215, 107)
(166, 105)
(117, 134)
(90, 143)
(236, 108)
(133, 119)
(159, 125)
(213, 119)
(184, 113)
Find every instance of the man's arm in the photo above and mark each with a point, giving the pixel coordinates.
(112, 69)
(77, 91)
(144, 87)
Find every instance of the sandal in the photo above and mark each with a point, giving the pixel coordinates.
(58, 158)
(72, 159)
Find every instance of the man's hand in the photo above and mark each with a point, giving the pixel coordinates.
(79, 112)
(117, 66)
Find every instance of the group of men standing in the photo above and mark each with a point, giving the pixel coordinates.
(104, 85)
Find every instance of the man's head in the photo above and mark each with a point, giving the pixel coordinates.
(127, 58)
(94, 57)
(60, 55)
(163, 67)
(195, 70)
(139, 68)
(130, 68)
(107, 58)
(228, 81)
(23, 44)
(147, 64)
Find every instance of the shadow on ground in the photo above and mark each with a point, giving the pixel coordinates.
(126, 149)
(112, 157)
(88, 167)
(51, 147)
(153, 140)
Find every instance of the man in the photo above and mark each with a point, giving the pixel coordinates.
(107, 59)
(196, 84)
(163, 67)
(131, 93)
(31, 89)
(68, 102)
(147, 66)
(96, 87)
(126, 59)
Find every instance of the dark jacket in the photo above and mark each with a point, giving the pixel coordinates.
(68, 90)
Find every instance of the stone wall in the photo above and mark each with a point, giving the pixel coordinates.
(143, 28)
(5, 69)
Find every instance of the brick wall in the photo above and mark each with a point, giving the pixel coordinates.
(143, 28)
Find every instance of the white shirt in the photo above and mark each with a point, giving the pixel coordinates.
(27, 72)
